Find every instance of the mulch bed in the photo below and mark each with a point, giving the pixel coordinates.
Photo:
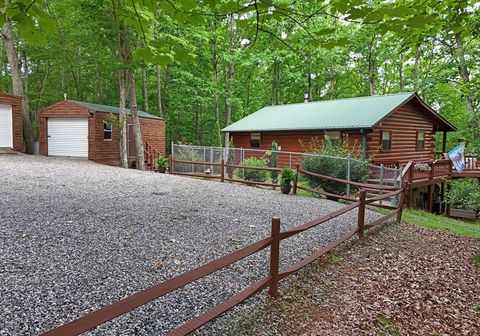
(412, 282)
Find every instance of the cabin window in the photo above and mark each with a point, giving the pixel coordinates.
(420, 140)
(107, 131)
(255, 139)
(386, 140)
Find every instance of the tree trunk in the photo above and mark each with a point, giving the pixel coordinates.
(371, 71)
(140, 158)
(400, 72)
(230, 77)
(216, 103)
(416, 65)
(122, 122)
(159, 91)
(17, 85)
(145, 89)
(124, 57)
(464, 72)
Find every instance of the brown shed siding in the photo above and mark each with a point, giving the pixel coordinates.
(404, 123)
(293, 141)
(107, 152)
(17, 123)
(99, 150)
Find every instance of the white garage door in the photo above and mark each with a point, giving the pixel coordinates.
(6, 132)
(68, 137)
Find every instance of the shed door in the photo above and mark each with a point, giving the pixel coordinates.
(68, 137)
(6, 126)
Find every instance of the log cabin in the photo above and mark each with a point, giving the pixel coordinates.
(384, 129)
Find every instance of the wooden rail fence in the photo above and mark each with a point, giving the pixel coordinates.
(109, 312)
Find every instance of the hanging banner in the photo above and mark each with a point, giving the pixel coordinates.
(457, 155)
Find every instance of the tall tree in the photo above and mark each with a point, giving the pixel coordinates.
(17, 83)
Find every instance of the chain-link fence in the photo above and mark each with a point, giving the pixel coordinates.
(345, 168)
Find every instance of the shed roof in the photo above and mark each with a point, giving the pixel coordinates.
(113, 109)
(338, 114)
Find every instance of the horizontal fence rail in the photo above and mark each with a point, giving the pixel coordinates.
(118, 308)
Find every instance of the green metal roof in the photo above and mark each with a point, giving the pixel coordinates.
(339, 114)
(113, 109)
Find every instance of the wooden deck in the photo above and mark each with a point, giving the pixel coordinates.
(430, 173)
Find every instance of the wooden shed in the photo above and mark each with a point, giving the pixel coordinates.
(388, 128)
(11, 126)
(86, 130)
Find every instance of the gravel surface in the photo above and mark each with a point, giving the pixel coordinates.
(75, 236)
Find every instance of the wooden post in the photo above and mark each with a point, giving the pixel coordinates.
(222, 170)
(295, 179)
(361, 213)
(274, 257)
(448, 207)
(400, 206)
(430, 187)
(170, 165)
(410, 188)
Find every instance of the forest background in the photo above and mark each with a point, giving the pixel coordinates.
(205, 64)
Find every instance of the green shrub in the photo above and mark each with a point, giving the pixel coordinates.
(253, 174)
(465, 194)
(331, 160)
(162, 161)
(287, 175)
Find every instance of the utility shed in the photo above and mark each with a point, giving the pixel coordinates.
(87, 130)
(397, 127)
(11, 126)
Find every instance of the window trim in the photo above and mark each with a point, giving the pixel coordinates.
(381, 140)
(417, 147)
(105, 123)
(259, 140)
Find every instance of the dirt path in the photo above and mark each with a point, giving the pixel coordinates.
(415, 282)
(400, 280)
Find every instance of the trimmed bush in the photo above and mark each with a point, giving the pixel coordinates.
(253, 174)
(331, 160)
(465, 194)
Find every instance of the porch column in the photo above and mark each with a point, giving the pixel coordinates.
(444, 143)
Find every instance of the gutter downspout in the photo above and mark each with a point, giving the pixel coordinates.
(364, 144)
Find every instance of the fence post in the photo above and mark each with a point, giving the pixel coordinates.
(274, 257)
(193, 159)
(410, 188)
(449, 205)
(170, 164)
(222, 170)
(295, 178)
(349, 161)
(361, 212)
(401, 202)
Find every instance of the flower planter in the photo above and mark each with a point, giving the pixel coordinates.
(162, 170)
(285, 188)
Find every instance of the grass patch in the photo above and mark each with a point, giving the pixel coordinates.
(435, 222)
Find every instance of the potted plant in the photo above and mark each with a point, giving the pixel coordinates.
(162, 164)
(287, 175)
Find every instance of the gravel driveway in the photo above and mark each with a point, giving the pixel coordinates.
(75, 236)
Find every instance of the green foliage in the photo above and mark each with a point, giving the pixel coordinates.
(162, 161)
(465, 194)
(273, 162)
(331, 159)
(253, 174)
(287, 175)
(435, 222)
